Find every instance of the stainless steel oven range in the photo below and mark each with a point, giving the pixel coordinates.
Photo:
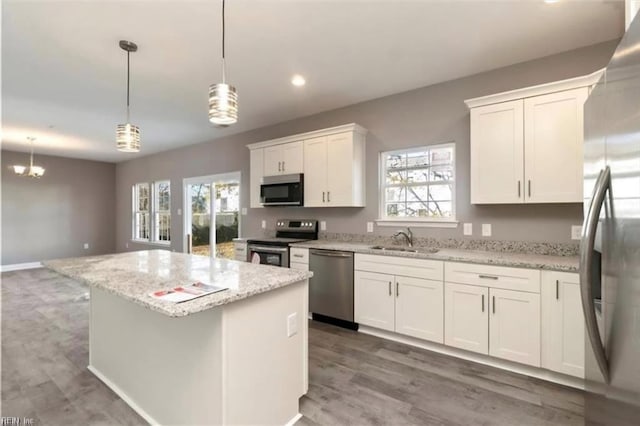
(275, 251)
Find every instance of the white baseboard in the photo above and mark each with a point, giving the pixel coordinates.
(538, 373)
(294, 420)
(135, 407)
(20, 266)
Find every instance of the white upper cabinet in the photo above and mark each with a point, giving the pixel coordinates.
(332, 160)
(526, 145)
(283, 159)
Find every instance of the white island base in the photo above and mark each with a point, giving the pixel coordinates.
(231, 364)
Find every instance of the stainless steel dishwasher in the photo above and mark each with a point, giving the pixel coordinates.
(331, 288)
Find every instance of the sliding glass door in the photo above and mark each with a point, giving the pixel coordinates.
(212, 214)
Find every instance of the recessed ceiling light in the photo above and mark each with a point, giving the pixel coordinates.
(298, 80)
(551, 1)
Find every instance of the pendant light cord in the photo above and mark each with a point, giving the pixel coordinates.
(223, 40)
(128, 78)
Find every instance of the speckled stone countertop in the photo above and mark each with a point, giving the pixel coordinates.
(516, 260)
(134, 275)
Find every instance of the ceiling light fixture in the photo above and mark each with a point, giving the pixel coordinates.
(298, 80)
(128, 135)
(550, 1)
(223, 98)
(31, 171)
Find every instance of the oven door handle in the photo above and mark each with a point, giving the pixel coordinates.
(268, 249)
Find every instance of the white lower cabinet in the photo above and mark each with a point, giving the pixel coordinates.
(240, 250)
(419, 308)
(374, 302)
(514, 326)
(563, 330)
(466, 317)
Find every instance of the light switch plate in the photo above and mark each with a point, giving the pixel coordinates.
(576, 232)
(369, 226)
(86, 246)
(323, 225)
(468, 229)
(292, 324)
(244, 211)
(264, 224)
(179, 212)
(486, 229)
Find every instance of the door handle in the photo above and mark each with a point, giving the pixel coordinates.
(323, 196)
(389, 288)
(397, 289)
(589, 227)
(483, 303)
(494, 304)
(557, 289)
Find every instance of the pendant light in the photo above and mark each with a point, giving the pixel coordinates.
(128, 135)
(31, 171)
(223, 98)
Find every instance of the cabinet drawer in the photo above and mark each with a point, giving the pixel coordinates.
(400, 266)
(299, 266)
(299, 255)
(493, 276)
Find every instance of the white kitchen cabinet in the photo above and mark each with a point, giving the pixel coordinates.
(299, 258)
(526, 145)
(392, 294)
(553, 139)
(240, 250)
(497, 143)
(514, 326)
(466, 323)
(374, 300)
(283, 159)
(563, 329)
(299, 266)
(256, 172)
(335, 170)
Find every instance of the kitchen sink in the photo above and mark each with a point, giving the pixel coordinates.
(406, 249)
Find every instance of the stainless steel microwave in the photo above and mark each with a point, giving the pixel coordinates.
(282, 190)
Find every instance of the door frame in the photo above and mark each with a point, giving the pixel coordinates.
(186, 206)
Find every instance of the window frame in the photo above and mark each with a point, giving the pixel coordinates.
(384, 220)
(152, 212)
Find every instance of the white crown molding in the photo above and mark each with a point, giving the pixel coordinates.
(20, 266)
(352, 127)
(541, 89)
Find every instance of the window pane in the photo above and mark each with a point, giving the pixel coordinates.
(396, 161)
(395, 194)
(417, 193)
(441, 156)
(395, 177)
(440, 193)
(394, 209)
(418, 175)
(418, 159)
(441, 209)
(440, 173)
(417, 210)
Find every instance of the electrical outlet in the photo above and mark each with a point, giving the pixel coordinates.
(86, 246)
(264, 224)
(369, 226)
(126, 245)
(244, 211)
(486, 229)
(292, 324)
(179, 212)
(468, 229)
(323, 225)
(576, 232)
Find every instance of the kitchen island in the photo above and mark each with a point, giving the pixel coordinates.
(238, 356)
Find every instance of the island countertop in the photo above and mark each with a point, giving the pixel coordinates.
(134, 275)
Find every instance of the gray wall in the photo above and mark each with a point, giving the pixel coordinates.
(52, 217)
(424, 116)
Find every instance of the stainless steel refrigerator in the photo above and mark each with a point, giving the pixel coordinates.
(610, 247)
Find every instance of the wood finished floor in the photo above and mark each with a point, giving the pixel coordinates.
(355, 379)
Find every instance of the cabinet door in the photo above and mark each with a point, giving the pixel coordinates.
(466, 323)
(420, 308)
(340, 164)
(292, 157)
(374, 300)
(553, 139)
(256, 172)
(315, 175)
(514, 326)
(273, 160)
(562, 324)
(497, 153)
(299, 266)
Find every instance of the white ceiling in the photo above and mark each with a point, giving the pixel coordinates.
(64, 74)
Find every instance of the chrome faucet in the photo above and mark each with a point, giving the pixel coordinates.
(408, 236)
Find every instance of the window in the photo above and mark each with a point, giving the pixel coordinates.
(141, 211)
(152, 212)
(162, 211)
(418, 184)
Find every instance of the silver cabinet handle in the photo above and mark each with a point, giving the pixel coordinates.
(488, 277)
(494, 305)
(529, 183)
(323, 196)
(279, 166)
(483, 303)
(518, 189)
(328, 196)
(589, 227)
(298, 255)
(389, 288)
(283, 163)
(557, 289)
(397, 289)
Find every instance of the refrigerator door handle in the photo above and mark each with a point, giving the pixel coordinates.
(587, 245)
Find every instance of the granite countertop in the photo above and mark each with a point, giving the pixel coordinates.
(134, 275)
(517, 260)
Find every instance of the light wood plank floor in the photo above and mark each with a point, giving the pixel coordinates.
(354, 378)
